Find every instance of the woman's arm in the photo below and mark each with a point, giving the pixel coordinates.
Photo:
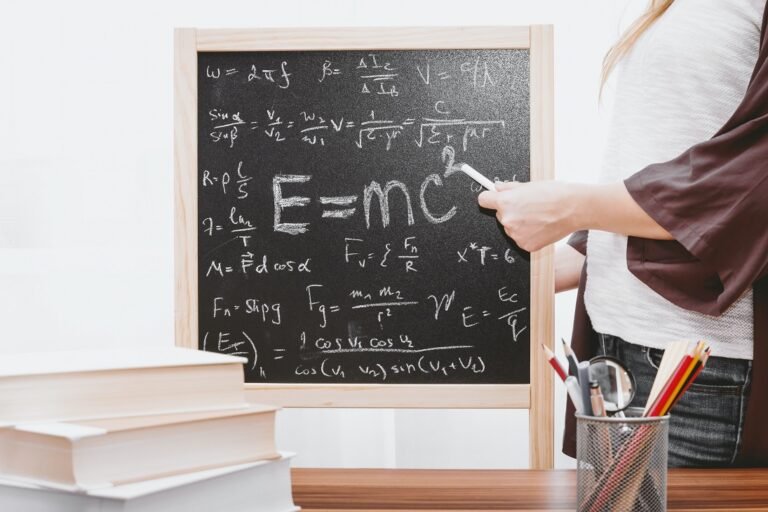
(568, 265)
(539, 213)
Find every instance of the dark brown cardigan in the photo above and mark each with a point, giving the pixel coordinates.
(713, 199)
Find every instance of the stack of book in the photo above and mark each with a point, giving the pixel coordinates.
(136, 431)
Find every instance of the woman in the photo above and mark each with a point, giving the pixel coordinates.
(677, 249)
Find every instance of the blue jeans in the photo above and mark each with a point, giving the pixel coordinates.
(706, 424)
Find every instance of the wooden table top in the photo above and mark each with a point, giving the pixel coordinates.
(381, 490)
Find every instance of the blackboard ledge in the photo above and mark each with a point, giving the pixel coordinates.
(428, 396)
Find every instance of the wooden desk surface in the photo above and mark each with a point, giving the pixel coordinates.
(358, 490)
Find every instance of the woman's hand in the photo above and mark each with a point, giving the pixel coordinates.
(539, 213)
(534, 214)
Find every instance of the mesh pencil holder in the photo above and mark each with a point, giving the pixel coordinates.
(622, 463)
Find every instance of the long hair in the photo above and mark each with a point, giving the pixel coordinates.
(654, 11)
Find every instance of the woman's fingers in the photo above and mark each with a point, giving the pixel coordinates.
(489, 200)
(532, 214)
(506, 185)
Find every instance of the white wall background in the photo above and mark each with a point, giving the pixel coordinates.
(86, 197)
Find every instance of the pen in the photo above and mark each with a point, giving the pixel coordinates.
(554, 362)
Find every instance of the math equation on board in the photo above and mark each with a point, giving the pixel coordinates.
(336, 241)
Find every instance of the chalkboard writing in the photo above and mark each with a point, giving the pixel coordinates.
(336, 242)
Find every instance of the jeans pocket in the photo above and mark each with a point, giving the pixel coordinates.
(705, 425)
(724, 373)
(716, 390)
(653, 356)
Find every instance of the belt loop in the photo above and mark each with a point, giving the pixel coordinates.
(742, 409)
(602, 343)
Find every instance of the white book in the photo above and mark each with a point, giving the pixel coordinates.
(90, 454)
(256, 487)
(71, 385)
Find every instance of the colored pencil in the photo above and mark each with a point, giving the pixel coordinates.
(680, 384)
(554, 362)
(672, 354)
(666, 391)
(696, 371)
(674, 383)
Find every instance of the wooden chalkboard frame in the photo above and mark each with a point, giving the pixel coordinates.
(538, 39)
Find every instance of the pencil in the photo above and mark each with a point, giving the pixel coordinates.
(675, 382)
(554, 362)
(573, 363)
(666, 390)
(695, 358)
(696, 371)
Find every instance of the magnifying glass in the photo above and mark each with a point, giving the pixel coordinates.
(617, 384)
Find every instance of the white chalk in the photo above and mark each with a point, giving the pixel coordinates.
(469, 171)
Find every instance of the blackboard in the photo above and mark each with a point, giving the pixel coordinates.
(336, 243)
(211, 77)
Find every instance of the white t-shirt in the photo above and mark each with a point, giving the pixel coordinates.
(679, 84)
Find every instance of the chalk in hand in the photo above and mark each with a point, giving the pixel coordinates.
(469, 171)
